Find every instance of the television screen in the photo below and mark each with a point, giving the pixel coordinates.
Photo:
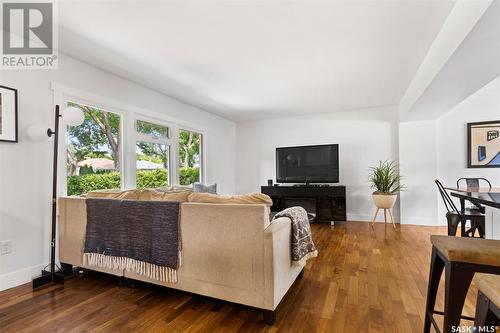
(308, 164)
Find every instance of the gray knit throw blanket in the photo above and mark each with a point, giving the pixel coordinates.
(303, 246)
(143, 237)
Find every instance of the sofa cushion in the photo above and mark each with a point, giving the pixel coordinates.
(251, 198)
(145, 195)
(202, 188)
(115, 194)
(174, 188)
(172, 195)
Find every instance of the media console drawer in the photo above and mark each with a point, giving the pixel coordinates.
(328, 203)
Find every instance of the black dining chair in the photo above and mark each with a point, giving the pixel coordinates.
(473, 183)
(456, 217)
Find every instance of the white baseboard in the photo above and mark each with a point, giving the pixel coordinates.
(369, 218)
(422, 221)
(22, 276)
(406, 220)
(360, 217)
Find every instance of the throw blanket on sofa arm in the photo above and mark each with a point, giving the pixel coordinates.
(303, 246)
(138, 236)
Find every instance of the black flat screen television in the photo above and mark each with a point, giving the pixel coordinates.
(308, 164)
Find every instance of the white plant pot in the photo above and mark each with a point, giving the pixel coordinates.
(384, 201)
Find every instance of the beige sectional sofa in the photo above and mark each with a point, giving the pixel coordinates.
(230, 251)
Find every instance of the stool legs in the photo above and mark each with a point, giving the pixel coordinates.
(458, 278)
(437, 266)
(484, 316)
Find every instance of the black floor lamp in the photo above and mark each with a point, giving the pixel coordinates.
(72, 116)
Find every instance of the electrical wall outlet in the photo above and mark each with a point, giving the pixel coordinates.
(6, 247)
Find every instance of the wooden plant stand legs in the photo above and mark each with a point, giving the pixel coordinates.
(385, 216)
(392, 219)
(375, 217)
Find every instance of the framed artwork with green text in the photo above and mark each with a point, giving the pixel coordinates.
(8, 114)
(483, 144)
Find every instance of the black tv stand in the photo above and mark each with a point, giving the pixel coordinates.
(328, 202)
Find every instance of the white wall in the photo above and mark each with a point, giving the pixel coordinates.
(484, 105)
(438, 149)
(418, 167)
(25, 167)
(365, 137)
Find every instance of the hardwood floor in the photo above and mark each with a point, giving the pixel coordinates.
(364, 280)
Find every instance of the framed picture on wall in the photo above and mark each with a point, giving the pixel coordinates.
(483, 144)
(8, 114)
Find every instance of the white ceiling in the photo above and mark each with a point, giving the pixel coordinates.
(254, 60)
(474, 63)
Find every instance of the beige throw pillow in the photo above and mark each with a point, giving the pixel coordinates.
(251, 198)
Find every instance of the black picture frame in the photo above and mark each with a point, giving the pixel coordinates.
(16, 116)
(469, 143)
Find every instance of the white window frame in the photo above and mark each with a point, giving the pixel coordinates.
(129, 136)
(63, 143)
(160, 140)
(202, 150)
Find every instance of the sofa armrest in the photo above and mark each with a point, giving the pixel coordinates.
(71, 229)
(276, 226)
(280, 272)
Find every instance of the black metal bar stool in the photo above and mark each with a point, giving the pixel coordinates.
(488, 300)
(457, 217)
(460, 258)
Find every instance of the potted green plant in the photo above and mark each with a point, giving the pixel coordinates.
(386, 182)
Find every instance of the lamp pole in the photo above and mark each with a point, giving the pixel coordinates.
(49, 277)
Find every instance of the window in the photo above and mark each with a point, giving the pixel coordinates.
(119, 149)
(93, 152)
(153, 130)
(152, 165)
(152, 155)
(189, 157)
